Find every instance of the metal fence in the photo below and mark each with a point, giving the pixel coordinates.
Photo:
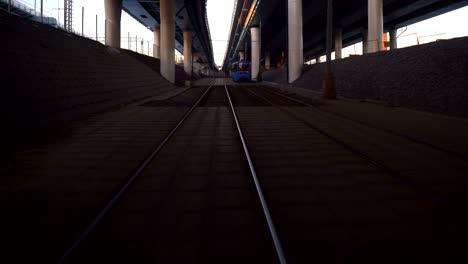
(37, 14)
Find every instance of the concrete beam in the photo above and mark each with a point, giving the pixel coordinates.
(168, 39)
(295, 40)
(256, 38)
(113, 10)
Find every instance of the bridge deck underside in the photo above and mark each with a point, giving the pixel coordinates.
(351, 16)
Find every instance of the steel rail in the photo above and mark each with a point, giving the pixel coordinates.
(452, 153)
(440, 200)
(139, 170)
(266, 211)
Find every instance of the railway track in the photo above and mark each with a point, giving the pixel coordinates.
(126, 185)
(266, 210)
(244, 177)
(354, 171)
(441, 200)
(212, 115)
(425, 143)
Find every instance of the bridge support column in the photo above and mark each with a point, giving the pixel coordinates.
(157, 43)
(295, 40)
(365, 46)
(256, 38)
(196, 65)
(241, 56)
(375, 25)
(338, 43)
(113, 9)
(188, 52)
(393, 39)
(204, 68)
(267, 60)
(168, 39)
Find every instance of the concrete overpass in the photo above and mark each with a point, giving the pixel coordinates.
(105, 161)
(351, 24)
(178, 24)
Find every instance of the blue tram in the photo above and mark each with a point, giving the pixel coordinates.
(241, 71)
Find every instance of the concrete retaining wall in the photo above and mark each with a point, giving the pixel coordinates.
(51, 77)
(431, 77)
(180, 75)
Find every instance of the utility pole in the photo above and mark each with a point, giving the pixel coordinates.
(82, 21)
(65, 14)
(142, 48)
(148, 47)
(328, 81)
(105, 30)
(42, 8)
(58, 12)
(68, 15)
(136, 43)
(96, 27)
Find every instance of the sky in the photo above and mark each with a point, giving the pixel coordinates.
(446, 26)
(220, 19)
(96, 7)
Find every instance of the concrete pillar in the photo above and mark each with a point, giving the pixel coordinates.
(365, 43)
(167, 13)
(393, 39)
(317, 59)
(196, 56)
(188, 52)
(113, 9)
(295, 40)
(196, 68)
(196, 65)
(203, 68)
(241, 56)
(256, 38)
(375, 25)
(267, 60)
(157, 43)
(338, 43)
